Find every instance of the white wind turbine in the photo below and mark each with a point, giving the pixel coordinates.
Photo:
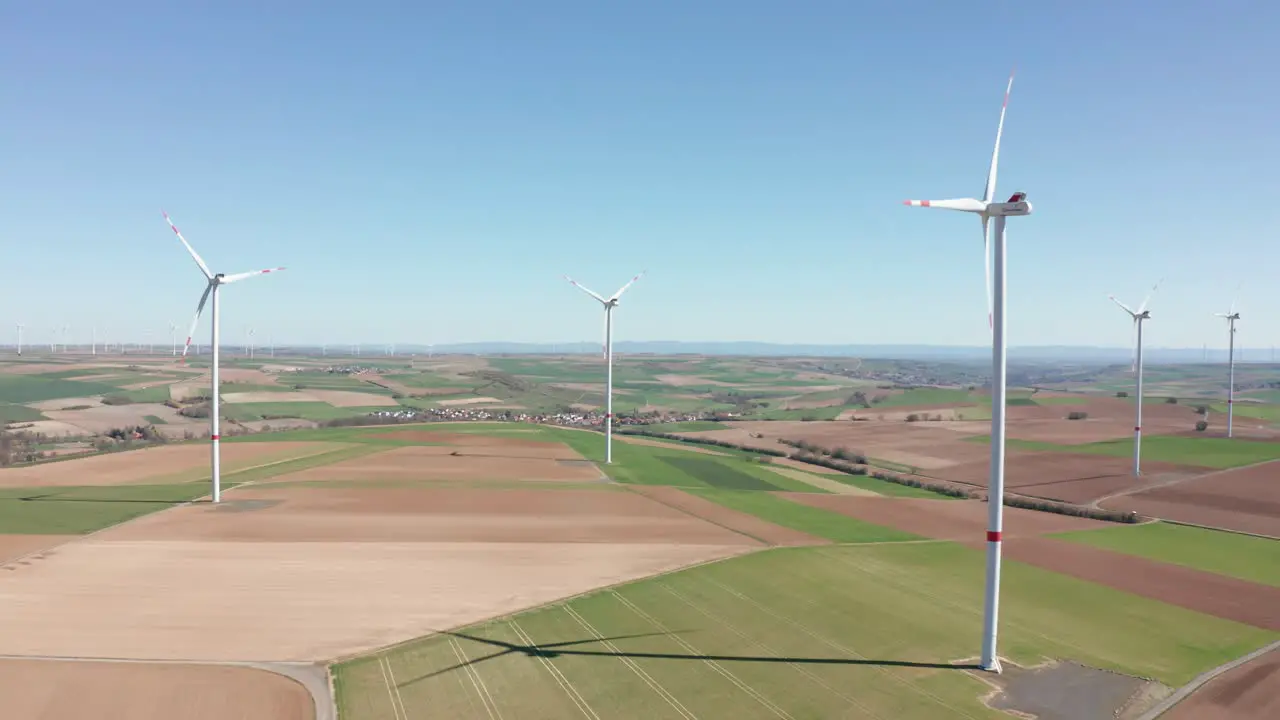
(609, 305)
(1141, 315)
(20, 326)
(987, 209)
(214, 282)
(1231, 318)
(173, 339)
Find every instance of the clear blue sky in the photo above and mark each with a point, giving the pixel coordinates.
(427, 171)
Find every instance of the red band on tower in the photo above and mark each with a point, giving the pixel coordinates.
(994, 535)
(1137, 428)
(215, 437)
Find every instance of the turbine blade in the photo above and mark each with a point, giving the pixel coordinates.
(1126, 307)
(986, 266)
(584, 289)
(199, 309)
(1143, 306)
(629, 284)
(241, 276)
(196, 256)
(961, 204)
(990, 192)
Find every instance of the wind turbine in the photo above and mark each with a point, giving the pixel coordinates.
(173, 338)
(214, 282)
(609, 305)
(20, 326)
(987, 209)
(1231, 318)
(1141, 315)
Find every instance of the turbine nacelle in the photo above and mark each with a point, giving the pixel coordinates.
(1015, 207)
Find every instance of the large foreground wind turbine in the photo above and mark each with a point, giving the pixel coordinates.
(214, 282)
(1141, 315)
(609, 305)
(1231, 318)
(987, 209)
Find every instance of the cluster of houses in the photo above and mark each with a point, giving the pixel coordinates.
(569, 419)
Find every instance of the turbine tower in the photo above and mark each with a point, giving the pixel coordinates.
(214, 282)
(173, 339)
(1231, 318)
(609, 305)
(988, 209)
(20, 326)
(1141, 315)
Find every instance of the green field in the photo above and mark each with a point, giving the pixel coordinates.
(884, 487)
(686, 427)
(926, 396)
(10, 413)
(1241, 556)
(78, 510)
(21, 389)
(244, 412)
(847, 631)
(814, 521)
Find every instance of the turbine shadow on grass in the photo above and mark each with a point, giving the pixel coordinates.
(555, 650)
(58, 498)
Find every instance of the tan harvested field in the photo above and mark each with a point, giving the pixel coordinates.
(466, 439)
(53, 428)
(166, 463)
(467, 401)
(101, 418)
(266, 397)
(690, 380)
(1246, 499)
(920, 445)
(15, 546)
(71, 690)
(351, 398)
(85, 599)
(477, 462)
(818, 481)
(61, 403)
(1071, 477)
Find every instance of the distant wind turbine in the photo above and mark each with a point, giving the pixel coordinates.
(1141, 315)
(20, 326)
(987, 209)
(173, 338)
(214, 282)
(1231, 317)
(609, 305)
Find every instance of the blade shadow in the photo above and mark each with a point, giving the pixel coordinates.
(551, 651)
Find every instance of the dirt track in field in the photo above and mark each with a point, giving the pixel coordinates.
(147, 465)
(1245, 499)
(722, 516)
(71, 690)
(965, 521)
(648, 442)
(477, 462)
(14, 546)
(1248, 692)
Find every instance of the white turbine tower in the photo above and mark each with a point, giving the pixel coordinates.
(214, 282)
(20, 326)
(609, 305)
(1141, 315)
(987, 209)
(1231, 318)
(173, 338)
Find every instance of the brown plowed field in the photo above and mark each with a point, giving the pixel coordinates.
(479, 462)
(71, 690)
(155, 464)
(965, 520)
(1248, 692)
(922, 445)
(958, 520)
(13, 546)
(320, 514)
(1245, 499)
(1071, 477)
(724, 517)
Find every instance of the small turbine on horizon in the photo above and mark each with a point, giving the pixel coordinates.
(214, 282)
(987, 209)
(1231, 317)
(609, 305)
(1141, 315)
